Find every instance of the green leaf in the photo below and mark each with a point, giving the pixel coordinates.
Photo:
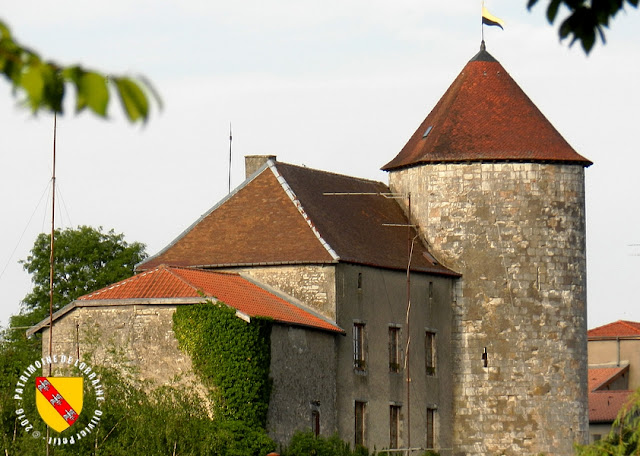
(552, 10)
(132, 98)
(32, 81)
(93, 92)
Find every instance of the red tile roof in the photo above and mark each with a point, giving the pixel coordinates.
(618, 328)
(600, 377)
(285, 215)
(232, 289)
(485, 116)
(605, 405)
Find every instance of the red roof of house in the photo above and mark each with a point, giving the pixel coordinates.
(232, 289)
(485, 116)
(289, 214)
(600, 377)
(605, 405)
(618, 328)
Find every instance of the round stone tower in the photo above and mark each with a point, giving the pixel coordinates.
(498, 195)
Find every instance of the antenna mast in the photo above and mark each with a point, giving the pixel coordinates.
(230, 139)
(51, 256)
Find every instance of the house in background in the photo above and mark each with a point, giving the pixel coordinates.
(614, 372)
(460, 287)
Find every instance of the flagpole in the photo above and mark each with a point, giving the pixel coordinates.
(481, 21)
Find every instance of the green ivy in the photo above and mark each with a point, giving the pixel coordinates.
(231, 357)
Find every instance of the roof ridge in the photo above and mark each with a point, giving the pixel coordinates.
(184, 232)
(631, 326)
(120, 283)
(298, 204)
(332, 173)
(171, 270)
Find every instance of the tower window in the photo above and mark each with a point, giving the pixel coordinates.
(315, 422)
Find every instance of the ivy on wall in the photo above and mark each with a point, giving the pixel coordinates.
(231, 357)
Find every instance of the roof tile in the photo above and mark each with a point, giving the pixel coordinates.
(605, 405)
(230, 288)
(290, 215)
(485, 116)
(620, 328)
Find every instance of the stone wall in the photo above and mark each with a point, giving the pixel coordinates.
(314, 285)
(516, 232)
(303, 364)
(139, 339)
(135, 338)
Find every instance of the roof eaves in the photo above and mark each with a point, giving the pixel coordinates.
(294, 199)
(110, 302)
(265, 263)
(444, 271)
(203, 216)
(585, 163)
(620, 372)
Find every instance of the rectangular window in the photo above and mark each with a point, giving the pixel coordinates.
(394, 426)
(359, 412)
(315, 422)
(394, 349)
(430, 352)
(431, 414)
(359, 361)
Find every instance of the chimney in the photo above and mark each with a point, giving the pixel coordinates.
(252, 163)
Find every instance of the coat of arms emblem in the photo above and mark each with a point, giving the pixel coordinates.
(59, 400)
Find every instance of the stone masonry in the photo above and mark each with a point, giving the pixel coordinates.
(516, 232)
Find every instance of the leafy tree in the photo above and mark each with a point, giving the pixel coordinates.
(142, 421)
(44, 83)
(586, 17)
(86, 259)
(624, 438)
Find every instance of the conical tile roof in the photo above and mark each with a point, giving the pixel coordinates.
(485, 116)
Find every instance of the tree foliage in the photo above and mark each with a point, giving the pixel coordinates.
(587, 19)
(138, 420)
(624, 438)
(44, 83)
(86, 259)
(306, 443)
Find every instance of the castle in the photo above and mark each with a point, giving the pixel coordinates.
(444, 311)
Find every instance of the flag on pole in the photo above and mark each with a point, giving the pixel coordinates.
(490, 19)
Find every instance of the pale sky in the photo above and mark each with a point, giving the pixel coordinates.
(333, 85)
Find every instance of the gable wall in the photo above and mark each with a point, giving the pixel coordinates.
(314, 285)
(135, 337)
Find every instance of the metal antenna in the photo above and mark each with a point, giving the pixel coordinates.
(230, 140)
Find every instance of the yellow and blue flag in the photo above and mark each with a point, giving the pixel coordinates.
(490, 19)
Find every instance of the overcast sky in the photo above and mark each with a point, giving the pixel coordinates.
(334, 85)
